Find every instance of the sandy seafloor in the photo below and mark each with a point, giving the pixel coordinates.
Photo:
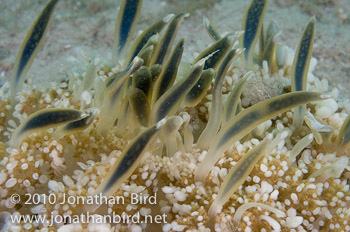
(84, 29)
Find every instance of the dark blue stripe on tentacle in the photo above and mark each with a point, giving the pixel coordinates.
(131, 156)
(241, 123)
(48, 118)
(35, 37)
(252, 23)
(128, 18)
(147, 36)
(171, 69)
(177, 92)
(300, 66)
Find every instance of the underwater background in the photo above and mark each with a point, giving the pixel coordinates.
(83, 28)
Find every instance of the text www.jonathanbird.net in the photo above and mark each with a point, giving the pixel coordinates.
(87, 218)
